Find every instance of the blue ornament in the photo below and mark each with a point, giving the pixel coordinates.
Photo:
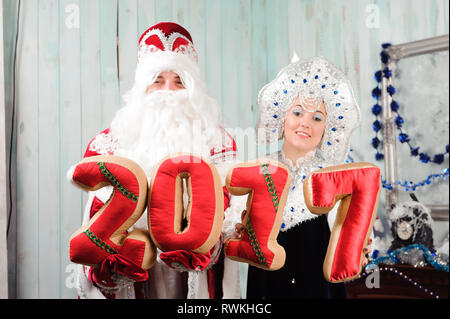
(376, 92)
(340, 117)
(376, 109)
(335, 92)
(292, 81)
(394, 106)
(377, 125)
(387, 73)
(328, 143)
(446, 148)
(415, 151)
(275, 116)
(377, 76)
(338, 104)
(304, 81)
(379, 156)
(285, 91)
(386, 45)
(384, 57)
(375, 253)
(391, 90)
(316, 77)
(424, 158)
(323, 86)
(375, 142)
(399, 121)
(403, 137)
(438, 158)
(333, 129)
(276, 103)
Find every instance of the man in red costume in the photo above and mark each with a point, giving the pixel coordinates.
(167, 111)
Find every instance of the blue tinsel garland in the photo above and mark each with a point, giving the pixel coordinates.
(392, 256)
(410, 186)
(378, 126)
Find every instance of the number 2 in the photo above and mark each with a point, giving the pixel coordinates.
(106, 232)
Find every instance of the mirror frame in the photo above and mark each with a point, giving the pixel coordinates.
(397, 52)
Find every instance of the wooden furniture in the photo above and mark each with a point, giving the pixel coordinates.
(394, 285)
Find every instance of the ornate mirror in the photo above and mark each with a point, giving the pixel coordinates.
(415, 119)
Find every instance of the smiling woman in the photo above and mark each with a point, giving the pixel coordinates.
(304, 127)
(77, 58)
(310, 104)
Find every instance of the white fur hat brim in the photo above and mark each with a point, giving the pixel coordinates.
(152, 64)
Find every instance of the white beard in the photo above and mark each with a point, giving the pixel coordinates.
(152, 126)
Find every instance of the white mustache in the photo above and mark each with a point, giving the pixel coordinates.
(169, 98)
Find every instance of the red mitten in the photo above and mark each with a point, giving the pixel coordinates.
(357, 186)
(104, 240)
(268, 183)
(204, 213)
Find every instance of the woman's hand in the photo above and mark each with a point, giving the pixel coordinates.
(240, 228)
(367, 251)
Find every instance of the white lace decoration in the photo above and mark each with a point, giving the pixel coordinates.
(120, 281)
(104, 143)
(193, 284)
(295, 209)
(185, 49)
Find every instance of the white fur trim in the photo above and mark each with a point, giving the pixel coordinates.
(104, 193)
(69, 175)
(233, 215)
(231, 280)
(160, 61)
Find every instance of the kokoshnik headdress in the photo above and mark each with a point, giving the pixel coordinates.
(312, 79)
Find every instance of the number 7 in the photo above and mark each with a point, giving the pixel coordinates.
(357, 186)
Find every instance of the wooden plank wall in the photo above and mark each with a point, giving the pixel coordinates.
(71, 76)
(3, 175)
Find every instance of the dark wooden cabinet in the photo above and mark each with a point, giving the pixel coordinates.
(394, 285)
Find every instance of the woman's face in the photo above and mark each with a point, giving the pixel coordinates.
(304, 125)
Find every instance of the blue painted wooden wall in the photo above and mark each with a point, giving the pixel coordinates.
(76, 58)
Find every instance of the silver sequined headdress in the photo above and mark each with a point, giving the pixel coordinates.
(315, 78)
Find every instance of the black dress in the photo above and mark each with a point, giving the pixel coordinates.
(302, 274)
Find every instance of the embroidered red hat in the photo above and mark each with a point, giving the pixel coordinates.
(168, 37)
(166, 46)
